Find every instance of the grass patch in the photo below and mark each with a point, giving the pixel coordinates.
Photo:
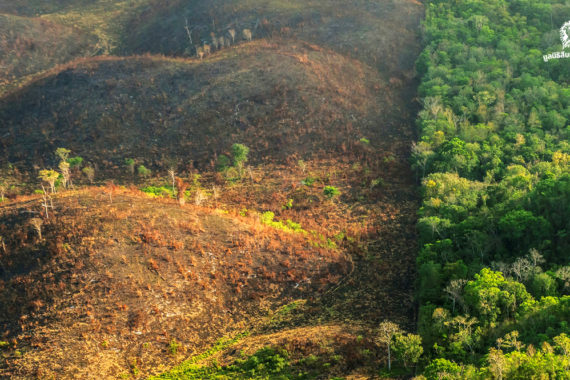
(267, 363)
(267, 218)
(189, 367)
(159, 191)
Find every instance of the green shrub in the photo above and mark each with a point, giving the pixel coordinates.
(143, 171)
(331, 192)
(309, 181)
(239, 154)
(222, 163)
(159, 191)
(75, 162)
(173, 347)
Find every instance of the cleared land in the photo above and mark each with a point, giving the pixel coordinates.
(124, 284)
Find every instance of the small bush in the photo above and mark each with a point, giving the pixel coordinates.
(309, 181)
(331, 192)
(222, 163)
(239, 154)
(75, 162)
(160, 192)
(143, 171)
(173, 347)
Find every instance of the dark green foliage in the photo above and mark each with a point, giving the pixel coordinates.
(495, 159)
(543, 285)
(239, 154)
(75, 162)
(222, 163)
(429, 288)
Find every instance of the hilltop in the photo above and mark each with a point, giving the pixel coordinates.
(30, 45)
(376, 32)
(277, 97)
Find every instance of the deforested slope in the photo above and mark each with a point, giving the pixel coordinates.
(29, 45)
(377, 32)
(114, 279)
(278, 98)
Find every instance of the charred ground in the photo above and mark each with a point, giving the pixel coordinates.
(323, 96)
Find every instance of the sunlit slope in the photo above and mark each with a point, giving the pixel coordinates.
(277, 98)
(31, 45)
(112, 282)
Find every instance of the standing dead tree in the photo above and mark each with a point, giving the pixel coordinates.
(172, 175)
(247, 34)
(215, 42)
(386, 331)
(37, 224)
(47, 202)
(188, 32)
(232, 33)
(200, 52)
(181, 187)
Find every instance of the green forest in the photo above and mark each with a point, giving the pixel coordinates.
(493, 156)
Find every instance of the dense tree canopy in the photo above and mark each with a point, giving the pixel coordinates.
(494, 154)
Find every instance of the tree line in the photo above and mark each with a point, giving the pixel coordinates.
(494, 162)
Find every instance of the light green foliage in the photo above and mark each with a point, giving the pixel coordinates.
(443, 369)
(288, 205)
(50, 177)
(189, 368)
(289, 226)
(331, 192)
(159, 191)
(173, 347)
(408, 348)
(143, 171)
(267, 363)
(62, 153)
(309, 181)
(493, 298)
(89, 173)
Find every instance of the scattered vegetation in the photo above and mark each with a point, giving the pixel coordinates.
(253, 139)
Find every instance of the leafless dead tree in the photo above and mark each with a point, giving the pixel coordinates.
(188, 32)
(200, 52)
(247, 34)
(232, 34)
(215, 42)
(181, 186)
(37, 224)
